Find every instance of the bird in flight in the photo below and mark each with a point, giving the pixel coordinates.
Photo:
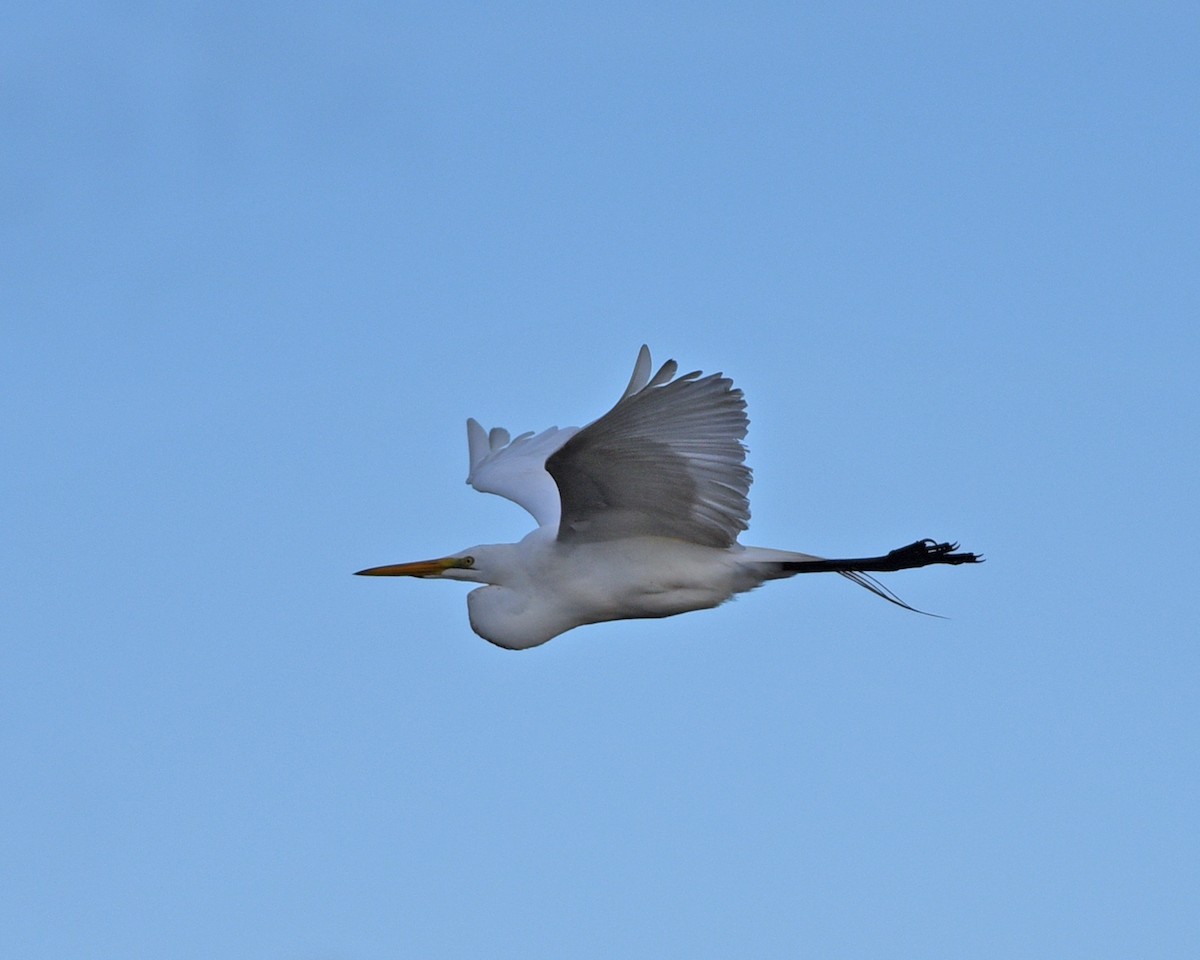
(638, 516)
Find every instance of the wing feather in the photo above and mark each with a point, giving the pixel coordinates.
(515, 469)
(667, 461)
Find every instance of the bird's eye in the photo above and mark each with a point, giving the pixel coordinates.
(468, 561)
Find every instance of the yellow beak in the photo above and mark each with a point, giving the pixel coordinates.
(420, 568)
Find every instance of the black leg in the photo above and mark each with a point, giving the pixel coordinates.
(923, 553)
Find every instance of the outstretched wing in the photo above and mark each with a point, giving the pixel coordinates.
(666, 461)
(516, 469)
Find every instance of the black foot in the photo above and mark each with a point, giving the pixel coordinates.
(924, 552)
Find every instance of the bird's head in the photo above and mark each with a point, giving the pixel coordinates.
(470, 565)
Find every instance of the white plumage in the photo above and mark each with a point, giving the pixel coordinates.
(638, 516)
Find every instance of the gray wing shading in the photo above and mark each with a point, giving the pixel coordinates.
(516, 468)
(666, 461)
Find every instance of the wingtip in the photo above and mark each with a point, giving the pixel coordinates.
(497, 437)
(477, 444)
(664, 375)
(641, 372)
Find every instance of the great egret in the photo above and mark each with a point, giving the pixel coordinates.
(638, 516)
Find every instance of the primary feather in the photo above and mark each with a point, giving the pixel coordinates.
(666, 461)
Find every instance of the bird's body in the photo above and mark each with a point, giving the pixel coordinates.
(539, 588)
(638, 517)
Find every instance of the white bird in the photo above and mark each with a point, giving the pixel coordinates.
(638, 516)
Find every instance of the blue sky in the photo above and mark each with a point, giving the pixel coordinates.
(262, 261)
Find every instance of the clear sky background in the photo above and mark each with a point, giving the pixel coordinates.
(261, 261)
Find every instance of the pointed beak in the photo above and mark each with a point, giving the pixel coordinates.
(420, 568)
